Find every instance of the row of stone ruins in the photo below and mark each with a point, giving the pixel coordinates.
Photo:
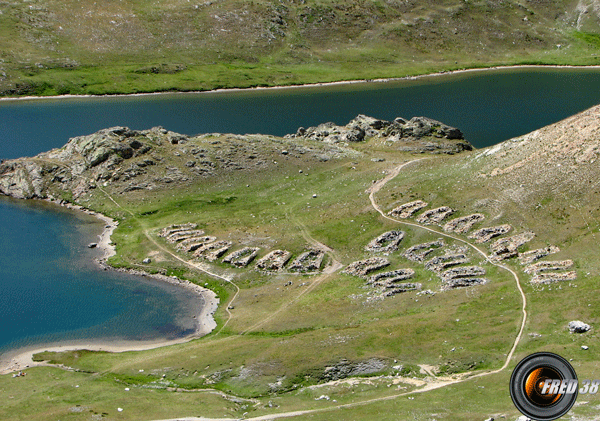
(392, 282)
(501, 249)
(188, 238)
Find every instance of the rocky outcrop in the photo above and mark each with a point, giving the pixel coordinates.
(505, 248)
(308, 261)
(242, 258)
(418, 252)
(420, 134)
(362, 268)
(408, 209)
(78, 165)
(274, 261)
(463, 224)
(484, 235)
(129, 161)
(531, 256)
(434, 216)
(386, 242)
(345, 369)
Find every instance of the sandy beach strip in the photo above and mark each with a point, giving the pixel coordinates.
(318, 84)
(21, 359)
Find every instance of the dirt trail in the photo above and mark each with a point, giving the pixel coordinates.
(197, 266)
(331, 268)
(377, 186)
(430, 386)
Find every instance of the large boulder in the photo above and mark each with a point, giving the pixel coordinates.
(577, 326)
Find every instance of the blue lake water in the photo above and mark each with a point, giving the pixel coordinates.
(50, 289)
(53, 291)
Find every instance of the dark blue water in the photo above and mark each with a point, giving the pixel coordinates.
(51, 291)
(488, 107)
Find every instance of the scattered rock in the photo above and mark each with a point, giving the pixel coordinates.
(408, 209)
(386, 242)
(434, 216)
(484, 235)
(147, 260)
(92, 245)
(362, 268)
(426, 292)
(463, 224)
(577, 326)
(585, 347)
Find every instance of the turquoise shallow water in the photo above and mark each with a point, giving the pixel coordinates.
(51, 290)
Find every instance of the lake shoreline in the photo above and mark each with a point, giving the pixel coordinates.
(312, 85)
(22, 358)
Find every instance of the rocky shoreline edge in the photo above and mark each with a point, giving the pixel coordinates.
(21, 359)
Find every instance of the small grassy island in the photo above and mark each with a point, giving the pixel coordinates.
(377, 267)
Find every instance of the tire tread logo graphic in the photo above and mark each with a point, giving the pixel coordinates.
(534, 386)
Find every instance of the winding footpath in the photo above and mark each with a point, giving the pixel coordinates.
(188, 263)
(377, 186)
(431, 386)
(331, 268)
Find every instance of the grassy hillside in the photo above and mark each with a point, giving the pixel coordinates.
(83, 47)
(313, 342)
